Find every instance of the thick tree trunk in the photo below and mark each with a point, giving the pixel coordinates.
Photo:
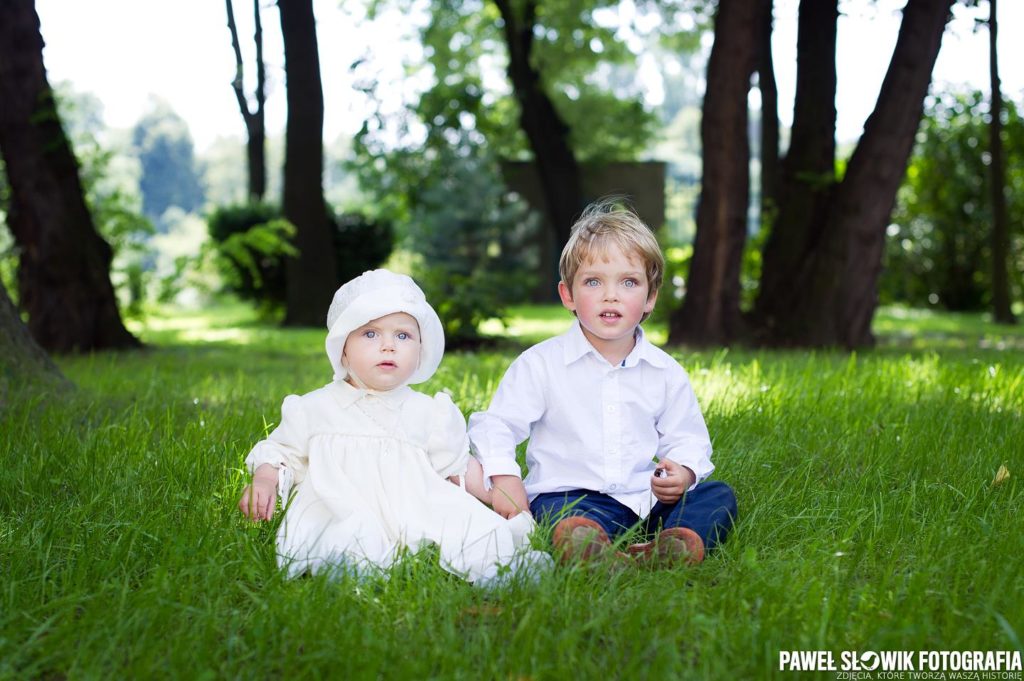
(547, 133)
(1001, 308)
(769, 119)
(64, 271)
(22, 362)
(311, 277)
(254, 119)
(710, 314)
(834, 288)
(808, 174)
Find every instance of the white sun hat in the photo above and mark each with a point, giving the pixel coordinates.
(376, 294)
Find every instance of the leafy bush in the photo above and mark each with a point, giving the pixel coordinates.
(938, 250)
(253, 239)
(474, 244)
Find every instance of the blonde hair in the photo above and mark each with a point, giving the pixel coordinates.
(606, 222)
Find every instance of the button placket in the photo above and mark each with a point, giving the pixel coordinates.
(612, 429)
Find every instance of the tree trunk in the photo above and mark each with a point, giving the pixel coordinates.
(834, 287)
(1001, 308)
(769, 119)
(22, 361)
(311, 277)
(547, 133)
(808, 174)
(64, 270)
(254, 120)
(710, 314)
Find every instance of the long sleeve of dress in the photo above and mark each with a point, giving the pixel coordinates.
(285, 448)
(448, 446)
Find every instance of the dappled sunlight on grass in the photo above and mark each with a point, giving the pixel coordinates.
(872, 515)
(922, 329)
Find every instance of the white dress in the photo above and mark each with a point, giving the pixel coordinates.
(369, 475)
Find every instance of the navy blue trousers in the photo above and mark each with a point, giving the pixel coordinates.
(709, 509)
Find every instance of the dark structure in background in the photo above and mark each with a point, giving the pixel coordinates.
(710, 314)
(64, 270)
(255, 127)
(1002, 310)
(311, 277)
(562, 184)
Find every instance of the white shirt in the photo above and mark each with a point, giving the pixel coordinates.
(592, 425)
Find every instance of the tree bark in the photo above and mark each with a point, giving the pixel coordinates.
(547, 133)
(64, 270)
(311, 277)
(832, 290)
(1002, 311)
(769, 119)
(710, 314)
(22, 362)
(253, 119)
(808, 173)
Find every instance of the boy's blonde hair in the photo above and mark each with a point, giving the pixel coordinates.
(609, 222)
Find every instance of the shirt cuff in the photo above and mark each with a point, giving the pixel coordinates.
(499, 467)
(701, 469)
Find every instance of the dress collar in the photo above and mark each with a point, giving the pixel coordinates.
(576, 346)
(347, 395)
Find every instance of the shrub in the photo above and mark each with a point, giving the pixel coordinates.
(252, 241)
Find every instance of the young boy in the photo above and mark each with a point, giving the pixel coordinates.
(599, 403)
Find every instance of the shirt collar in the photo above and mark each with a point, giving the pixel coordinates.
(347, 395)
(576, 346)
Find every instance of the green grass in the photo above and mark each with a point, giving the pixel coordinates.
(869, 521)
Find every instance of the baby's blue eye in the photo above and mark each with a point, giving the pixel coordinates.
(370, 334)
(402, 335)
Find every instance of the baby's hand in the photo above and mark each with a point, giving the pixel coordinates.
(670, 481)
(260, 498)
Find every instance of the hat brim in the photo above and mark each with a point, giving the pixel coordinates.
(381, 303)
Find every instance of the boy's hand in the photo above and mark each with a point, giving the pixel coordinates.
(672, 483)
(508, 496)
(260, 498)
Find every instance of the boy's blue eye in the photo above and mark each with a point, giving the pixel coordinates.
(630, 283)
(590, 282)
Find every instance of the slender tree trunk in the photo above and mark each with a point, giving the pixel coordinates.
(64, 271)
(311, 277)
(710, 314)
(22, 361)
(1001, 308)
(769, 119)
(254, 119)
(834, 288)
(808, 172)
(547, 133)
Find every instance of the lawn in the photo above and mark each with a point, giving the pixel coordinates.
(871, 519)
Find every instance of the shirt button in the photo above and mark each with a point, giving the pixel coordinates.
(611, 408)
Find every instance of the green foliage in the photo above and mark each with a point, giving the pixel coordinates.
(938, 251)
(254, 271)
(252, 240)
(474, 243)
(109, 183)
(869, 520)
(473, 247)
(586, 70)
(169, 173)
